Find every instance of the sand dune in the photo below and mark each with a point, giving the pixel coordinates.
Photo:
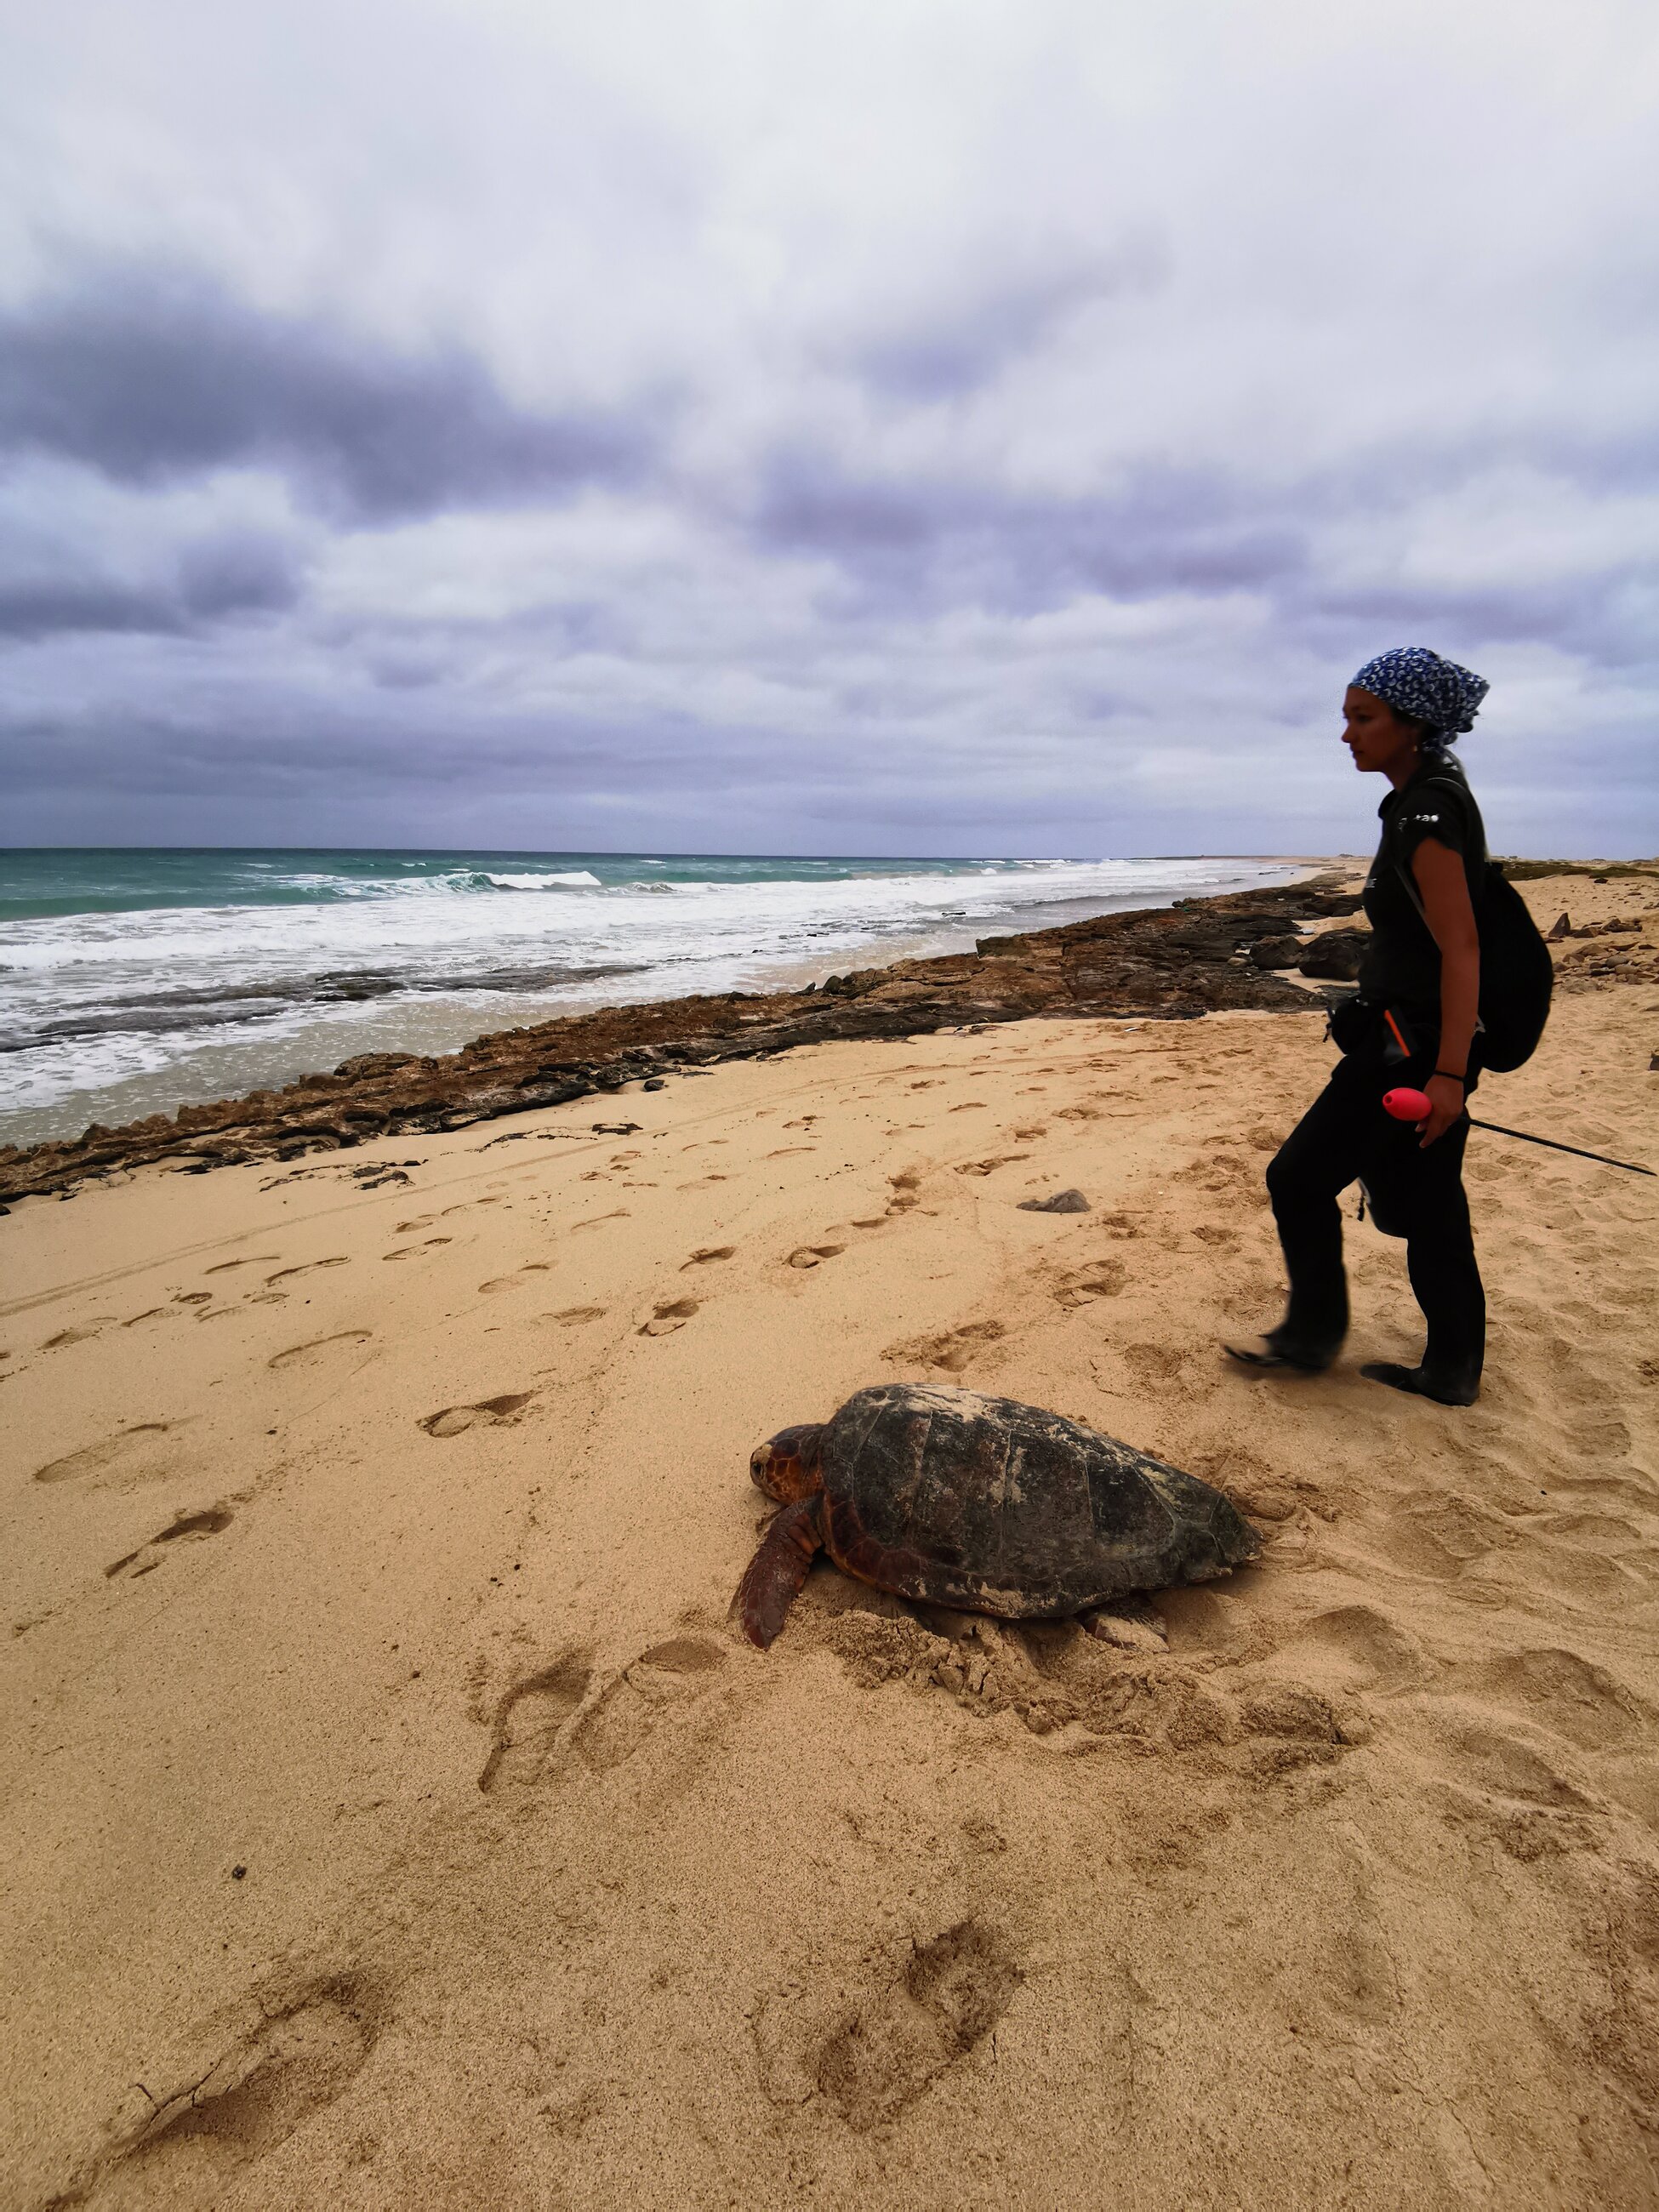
(392, 1817)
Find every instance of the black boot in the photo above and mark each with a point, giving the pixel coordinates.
(1446, 1390)
(1285, 1350)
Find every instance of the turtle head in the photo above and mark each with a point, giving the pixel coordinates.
(787, 1466)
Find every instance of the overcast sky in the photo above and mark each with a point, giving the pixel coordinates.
(915, 426)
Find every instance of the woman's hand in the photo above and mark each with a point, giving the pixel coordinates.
(1445, 1096)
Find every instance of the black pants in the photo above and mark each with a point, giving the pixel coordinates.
(1416, 1192)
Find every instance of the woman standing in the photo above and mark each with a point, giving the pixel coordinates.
(1413, 1023)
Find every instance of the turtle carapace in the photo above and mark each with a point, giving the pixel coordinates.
(981, 1503)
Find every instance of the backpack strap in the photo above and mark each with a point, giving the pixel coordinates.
(1462, 791)
(1412, 892)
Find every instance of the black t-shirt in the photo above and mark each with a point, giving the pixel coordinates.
(1403, 966)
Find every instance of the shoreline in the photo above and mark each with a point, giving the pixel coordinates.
(255, 970)
(1190, 958)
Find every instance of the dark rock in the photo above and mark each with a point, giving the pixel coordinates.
(654, 1083)
(1337, 955)
(532, 1093)
(1276, 952)
(368, 1064)
(1063, 1201)
(616, 1128)
(1563, 928)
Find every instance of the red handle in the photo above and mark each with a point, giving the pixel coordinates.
(1407, 1105)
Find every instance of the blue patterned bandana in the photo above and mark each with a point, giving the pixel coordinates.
(1414, 681)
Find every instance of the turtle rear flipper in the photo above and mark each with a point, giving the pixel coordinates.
(779, 1569)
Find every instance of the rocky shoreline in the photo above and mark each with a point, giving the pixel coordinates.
(1200, 956)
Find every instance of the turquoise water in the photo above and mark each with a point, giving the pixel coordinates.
(135, 981)
(119, 879)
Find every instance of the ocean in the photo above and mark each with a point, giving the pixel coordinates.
(133, 981)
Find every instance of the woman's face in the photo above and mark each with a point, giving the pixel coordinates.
(1379, 741)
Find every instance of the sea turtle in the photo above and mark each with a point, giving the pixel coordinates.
(981, 1503)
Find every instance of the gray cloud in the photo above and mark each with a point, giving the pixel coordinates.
(922, 541)
(216, 578)
(944, 349)
(148, 375)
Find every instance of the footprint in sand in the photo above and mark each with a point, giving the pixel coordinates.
(906, 1192)
(950, 1350)
(707, 1252)
(254, 1259)
(1120, 1225)
(557, 1712)
(672, 1314)
(813, 1255)
(1439, 1532)
(83, 1334)
(188, 1527)
(871, 1221)
(454, 1420)
(990, 1166)
(572, 1315)
(1356, 1647)
(320, 1350)
(666, 1680)
(516, 1282)
(1101, 1279)
(306, 1267)
(125, 1447)
(873, 2045)
(789, 1152)
(529, 1717)
(1503, 1784)
(416, 1251)
(296, 2049)
(1568, 1695)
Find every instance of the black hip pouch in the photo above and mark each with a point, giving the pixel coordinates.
(1351, 1022)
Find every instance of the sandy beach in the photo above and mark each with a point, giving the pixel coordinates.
(393, 1817)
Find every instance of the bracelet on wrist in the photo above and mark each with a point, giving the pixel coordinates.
(1450, 1078)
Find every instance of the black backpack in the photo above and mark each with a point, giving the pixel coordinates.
(1517, 973)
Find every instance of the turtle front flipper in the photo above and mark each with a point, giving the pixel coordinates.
(778, 1571)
